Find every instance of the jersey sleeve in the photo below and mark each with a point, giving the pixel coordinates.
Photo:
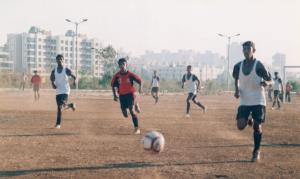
(263, 72)
(114, 80)
(135, 78)
(236, 71)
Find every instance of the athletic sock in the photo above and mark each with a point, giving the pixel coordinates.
(257, 140)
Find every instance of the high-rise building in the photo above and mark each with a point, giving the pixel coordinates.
(6, 64)
(37, 49)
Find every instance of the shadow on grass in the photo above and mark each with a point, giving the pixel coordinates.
(131, 165)
(250, 145)
(39, 135)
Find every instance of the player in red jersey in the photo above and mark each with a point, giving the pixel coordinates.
(122, 83)
(36, 81)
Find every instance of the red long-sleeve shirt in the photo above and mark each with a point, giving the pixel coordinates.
(124, 82)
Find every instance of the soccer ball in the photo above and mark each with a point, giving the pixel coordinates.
(154, 141)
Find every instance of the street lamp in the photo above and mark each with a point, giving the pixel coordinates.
(228, 51)
(76, 48)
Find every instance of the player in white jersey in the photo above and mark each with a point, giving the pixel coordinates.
(155, 86)
(192, 84)
(59, 78)
(278, 89)
(250, 79)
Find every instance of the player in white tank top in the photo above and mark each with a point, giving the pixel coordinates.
(251, 78)
(155, 86)
(59, 80)
(192, 83)
(278, 89)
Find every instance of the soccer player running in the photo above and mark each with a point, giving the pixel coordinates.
(59, 78)
(23, 81)
(36, 83)
(278, 88)
(155, 86)
(250, 79)
(288, 89)
(192, 83)
(123, 82)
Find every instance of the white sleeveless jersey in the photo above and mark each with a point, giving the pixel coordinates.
(155, 82)
(251, 92)
(61, 82)
(277, 84)
(190, 84)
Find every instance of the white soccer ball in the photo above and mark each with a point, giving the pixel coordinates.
(154, 141)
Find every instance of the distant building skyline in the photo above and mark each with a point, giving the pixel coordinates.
(139, 25)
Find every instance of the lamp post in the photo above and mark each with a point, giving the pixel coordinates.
(76, 48)
(228, 52)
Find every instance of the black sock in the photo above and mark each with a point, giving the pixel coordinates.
(257, 139)
(135, 121)
(188, 107)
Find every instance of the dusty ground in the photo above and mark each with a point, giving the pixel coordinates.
(97, 142)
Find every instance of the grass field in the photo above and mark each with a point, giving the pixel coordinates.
(97, 142)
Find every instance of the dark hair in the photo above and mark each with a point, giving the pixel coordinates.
(249, 44)
(189, 66)
(275, 73)
(122, 60)
(59, 56)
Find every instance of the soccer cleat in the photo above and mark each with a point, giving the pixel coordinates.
(57, 126)
(205, 109)
(255, 156)
(73, 106)
(272, 108)
(137, 108)
(137, 131)
(187, 116)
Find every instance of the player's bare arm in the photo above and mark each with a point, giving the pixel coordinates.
(71, 74)
(52, 78)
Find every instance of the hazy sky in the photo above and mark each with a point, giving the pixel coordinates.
(139, 25)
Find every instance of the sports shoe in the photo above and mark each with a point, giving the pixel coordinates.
(255, 156)
(137, 108)
(73, 106)
(205, 109)
(187, 116)
(137, 131)
(57, 126)
(272, 108)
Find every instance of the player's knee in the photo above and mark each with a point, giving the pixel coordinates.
(257, 128)
(124, 112)
(241, 123)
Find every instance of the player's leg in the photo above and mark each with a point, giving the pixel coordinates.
(59, 102)
(136, 104)
(275, 98)
(38, 93)
(194, 99)
(258, 114)
(123, 105)
(188, 104)
(134, 117)
(242, 117)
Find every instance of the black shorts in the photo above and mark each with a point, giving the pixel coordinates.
(258, 113)
(154, 89)
(36, 88)
(127, 100)
(192, 96)
(276, 93)
(61, 99)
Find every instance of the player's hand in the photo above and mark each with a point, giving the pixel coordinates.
(263, 83)
(237, 94)
(116, 98)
